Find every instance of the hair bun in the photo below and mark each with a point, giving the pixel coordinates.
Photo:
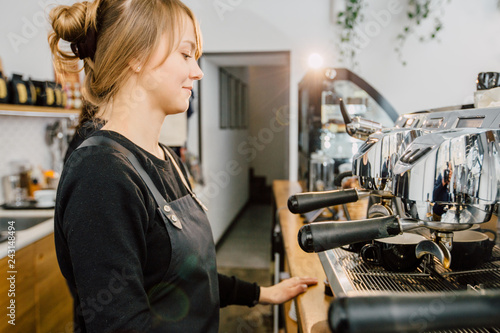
(69, 22)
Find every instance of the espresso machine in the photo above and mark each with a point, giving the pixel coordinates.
(435, 174)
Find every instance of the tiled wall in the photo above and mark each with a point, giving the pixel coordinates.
(23, 138)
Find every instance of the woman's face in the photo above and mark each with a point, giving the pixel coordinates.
(169, 83)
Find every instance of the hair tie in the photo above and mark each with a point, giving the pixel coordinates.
(87, 48)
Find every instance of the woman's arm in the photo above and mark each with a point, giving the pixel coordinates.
(104, 219)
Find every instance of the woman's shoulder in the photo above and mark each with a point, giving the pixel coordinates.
(99, 167)
(95, 157)
(101, 155)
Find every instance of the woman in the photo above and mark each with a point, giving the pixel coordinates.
(132, 240)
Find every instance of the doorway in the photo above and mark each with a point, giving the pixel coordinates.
(262, 136)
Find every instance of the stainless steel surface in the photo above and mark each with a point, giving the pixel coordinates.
(9, 185)
(361, 128)
(376, 158)
(357, 127)
(486, 118)
(436, 249)
(349, 275)
(20, 223)
(449, 178)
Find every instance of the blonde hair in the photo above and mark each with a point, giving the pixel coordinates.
(127, 30)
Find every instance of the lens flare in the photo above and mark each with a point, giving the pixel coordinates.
(315, 61)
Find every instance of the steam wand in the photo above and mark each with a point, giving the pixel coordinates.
(357, 127)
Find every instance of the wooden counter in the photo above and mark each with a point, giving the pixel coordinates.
(312, 306)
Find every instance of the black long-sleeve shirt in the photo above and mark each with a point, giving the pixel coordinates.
(112, 246)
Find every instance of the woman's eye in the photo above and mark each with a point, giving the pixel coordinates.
(187, 55)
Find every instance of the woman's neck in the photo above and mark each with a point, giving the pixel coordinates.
(137, 121)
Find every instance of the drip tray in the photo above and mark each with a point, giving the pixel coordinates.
(349, 275)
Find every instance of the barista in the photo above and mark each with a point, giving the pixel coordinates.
(441, 194)
(128, 269)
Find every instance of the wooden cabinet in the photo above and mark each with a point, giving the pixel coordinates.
(54, 303)
(43, 301)
(25, 312)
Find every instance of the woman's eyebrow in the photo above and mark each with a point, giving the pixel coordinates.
(191, 44)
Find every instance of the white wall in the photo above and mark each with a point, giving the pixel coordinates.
(23, 139)
(437, 74)
(23, 43)
(225, 170)
(268, 91)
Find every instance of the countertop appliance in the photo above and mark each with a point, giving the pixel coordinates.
(436, 174)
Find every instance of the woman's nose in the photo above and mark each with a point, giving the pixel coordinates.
(196, 73)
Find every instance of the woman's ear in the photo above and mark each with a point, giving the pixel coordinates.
(135, 65)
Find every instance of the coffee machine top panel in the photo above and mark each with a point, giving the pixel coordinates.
(487, 118)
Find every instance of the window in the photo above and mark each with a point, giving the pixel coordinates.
(233, 101)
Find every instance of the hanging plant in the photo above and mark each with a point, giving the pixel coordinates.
(348, 20)
(419, 12)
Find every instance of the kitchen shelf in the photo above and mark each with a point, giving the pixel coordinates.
(37, 111)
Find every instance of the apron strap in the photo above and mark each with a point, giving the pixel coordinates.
(164, 208)
(184, 181)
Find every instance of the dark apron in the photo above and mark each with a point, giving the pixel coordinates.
(187, 299)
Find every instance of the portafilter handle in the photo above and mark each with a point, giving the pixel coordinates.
(308, 201)
(322, 236)
(415, 313)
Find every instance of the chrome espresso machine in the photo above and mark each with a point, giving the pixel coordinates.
(436, 175)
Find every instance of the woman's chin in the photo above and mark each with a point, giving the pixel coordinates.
(176, 111)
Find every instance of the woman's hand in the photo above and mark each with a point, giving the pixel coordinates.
(285, 290)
